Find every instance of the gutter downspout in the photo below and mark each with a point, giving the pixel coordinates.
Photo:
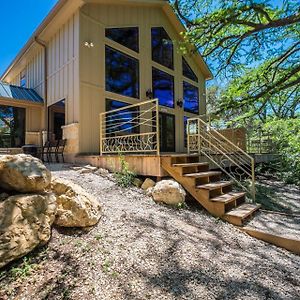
(46, 117)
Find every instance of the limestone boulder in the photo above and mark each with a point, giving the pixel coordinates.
(147, 184)
(25, 223)
(168, 192)
(23, 173)
(75, 207)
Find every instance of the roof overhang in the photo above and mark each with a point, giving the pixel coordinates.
(19, 103)
(65, 8)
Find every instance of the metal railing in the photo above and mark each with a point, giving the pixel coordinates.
(222, 153)
(130, 129)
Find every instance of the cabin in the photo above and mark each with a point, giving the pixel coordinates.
(107, 76)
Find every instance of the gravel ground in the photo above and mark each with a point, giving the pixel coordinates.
(282, 225)
(141, 250)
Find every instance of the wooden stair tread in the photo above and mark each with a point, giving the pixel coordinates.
(243, 211)
(214, 185)
(228, 197)
(203, 174)
(198, 164)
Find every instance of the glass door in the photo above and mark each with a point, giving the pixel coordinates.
(167, 132)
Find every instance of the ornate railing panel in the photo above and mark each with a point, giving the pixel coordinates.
(222, 153)
(130, 129)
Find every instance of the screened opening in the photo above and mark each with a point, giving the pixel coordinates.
(187, 71)
(163, 87)
(12, 127)
(128, 37)
(191, 98)
(167, 129)
(121, 122)
(162, 47)
(122, 73)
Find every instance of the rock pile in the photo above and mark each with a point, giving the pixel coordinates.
(30, 203)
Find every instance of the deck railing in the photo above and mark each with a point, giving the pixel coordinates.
(222, 153)
(130, 129)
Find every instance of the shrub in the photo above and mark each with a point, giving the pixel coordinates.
(124, 177)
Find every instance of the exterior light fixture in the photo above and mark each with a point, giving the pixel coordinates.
(89, 44)
(179, 103)
(149, 94)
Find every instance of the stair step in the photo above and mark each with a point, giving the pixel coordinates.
(243, 211)
(203, 174)
(198, 164)
(226, 198)
(215, 185)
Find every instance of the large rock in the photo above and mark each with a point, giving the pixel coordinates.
(23, 173)
(76, 207)
(25, 223)
(169, 192)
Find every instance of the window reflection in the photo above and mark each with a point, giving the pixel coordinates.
(122, 122)
(191, 98)
(162, 47)
(187, 71)
(122, 73)
(12, 127)
(163, 87)
(128, 36)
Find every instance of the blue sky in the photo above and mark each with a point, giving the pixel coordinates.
(19, 19)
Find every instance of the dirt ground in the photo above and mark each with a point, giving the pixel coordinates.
(142, 250)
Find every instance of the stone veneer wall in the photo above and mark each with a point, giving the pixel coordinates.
(71, 134)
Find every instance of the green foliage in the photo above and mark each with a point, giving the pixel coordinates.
(124, 177)
(286, 137)
(24, 270)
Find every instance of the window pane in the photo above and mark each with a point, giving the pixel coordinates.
(122, 73)
(12, 127)
(185, 128)
(23, 80)
(187, 71)
(121, 122)
(163, 87)
(162, 47)
(128, 37)
(191, 98)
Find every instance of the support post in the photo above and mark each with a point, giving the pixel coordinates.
(157, 128)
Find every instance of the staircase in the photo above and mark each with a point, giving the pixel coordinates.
(205, 185)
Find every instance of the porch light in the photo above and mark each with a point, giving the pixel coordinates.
(89, 44)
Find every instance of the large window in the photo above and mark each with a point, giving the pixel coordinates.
(128, 37)
(191, 98)
(23, 80)
(162, 47)
(12, 127)
(163, 87)
(121, 122)
(187, 71)
(122, 73)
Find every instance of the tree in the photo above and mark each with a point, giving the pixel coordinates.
(253, 44)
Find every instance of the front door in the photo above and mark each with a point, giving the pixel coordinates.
(167, 132)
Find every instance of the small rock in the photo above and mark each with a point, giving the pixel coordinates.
(137, 182)
(102, 172)
(169, 192)
(3, 196)
(148, 183)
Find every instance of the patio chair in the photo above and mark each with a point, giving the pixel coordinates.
(60, 148)
(44, 151)
(52, 150)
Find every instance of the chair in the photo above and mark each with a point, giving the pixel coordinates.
(60, 148)
(52, 150)
(44, 151)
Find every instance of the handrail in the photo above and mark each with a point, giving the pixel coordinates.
(130, 129)
(224, 154)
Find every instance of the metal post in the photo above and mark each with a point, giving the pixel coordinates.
(253, 190)
(199, 138)
(188, 136)
(101, 149)
(157, 129)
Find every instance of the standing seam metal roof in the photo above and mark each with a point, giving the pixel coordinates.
(19, 93)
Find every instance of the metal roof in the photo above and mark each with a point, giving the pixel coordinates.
(19, 93)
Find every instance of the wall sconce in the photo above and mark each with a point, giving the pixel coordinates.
(89, 44)
(149, 94)
(179, 103)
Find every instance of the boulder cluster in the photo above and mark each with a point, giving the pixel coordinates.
(31, 202)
